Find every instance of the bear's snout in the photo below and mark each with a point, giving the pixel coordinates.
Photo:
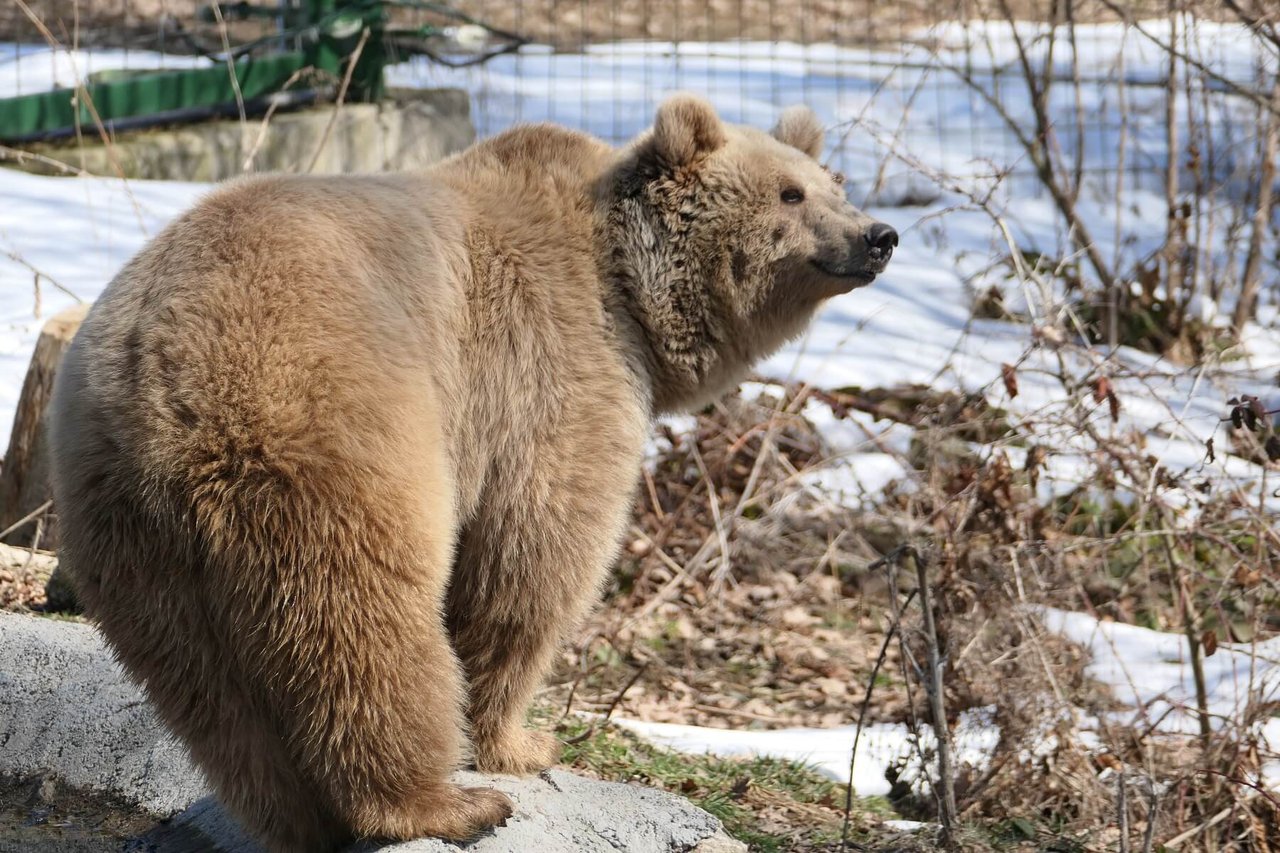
(861, 254)
(881, 241)
(870, 251)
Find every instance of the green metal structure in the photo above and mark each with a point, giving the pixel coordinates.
(346, 42)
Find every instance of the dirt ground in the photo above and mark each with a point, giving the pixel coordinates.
(566, 24)
(39, 815)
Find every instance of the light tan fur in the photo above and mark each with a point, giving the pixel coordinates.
(340, 461)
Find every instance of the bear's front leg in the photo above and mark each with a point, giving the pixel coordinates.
(529, 567)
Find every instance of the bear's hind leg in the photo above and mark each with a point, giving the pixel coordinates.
(394, 732)
(165, 635)
(350, 645)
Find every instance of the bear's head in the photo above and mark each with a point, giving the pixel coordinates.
(725, 239)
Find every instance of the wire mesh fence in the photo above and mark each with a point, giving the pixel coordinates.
(945, 77)
(1092, 105)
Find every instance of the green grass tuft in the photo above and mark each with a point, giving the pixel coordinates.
(769, 804)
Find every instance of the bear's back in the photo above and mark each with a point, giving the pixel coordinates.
(263, 330)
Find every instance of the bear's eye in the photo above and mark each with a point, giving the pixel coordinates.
(792, 195)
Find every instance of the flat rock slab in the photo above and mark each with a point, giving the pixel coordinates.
(78, 738)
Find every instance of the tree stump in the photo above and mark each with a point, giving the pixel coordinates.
(24, 475)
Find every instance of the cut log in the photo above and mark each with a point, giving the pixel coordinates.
(24, 475)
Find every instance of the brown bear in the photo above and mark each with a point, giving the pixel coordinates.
(339, 461)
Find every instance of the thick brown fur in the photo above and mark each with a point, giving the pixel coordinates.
(340, 461)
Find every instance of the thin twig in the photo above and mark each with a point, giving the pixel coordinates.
(1191, 630)
(1226, 83)
(595, 724)
(18, 155)
(216, 6)
(937, 705)
(723, 570)
(42, 275)
(1122, 811)
(1261, 223)
(1153, 811)
(862, 717)
(28, 518)
(341, 99)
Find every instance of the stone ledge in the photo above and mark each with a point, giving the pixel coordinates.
(412, 129)
(69, 716)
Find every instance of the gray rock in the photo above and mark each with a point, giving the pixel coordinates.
(67, 711)
(67, 708)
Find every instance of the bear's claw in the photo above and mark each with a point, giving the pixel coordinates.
(443, 811)
(458, 814)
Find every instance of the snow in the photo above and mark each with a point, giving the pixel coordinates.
(855, 480)
(827, 751)
(1147, 672)
(1150, 674)
(77, 232)
(27, 68)
(875, 99)
(892, 117)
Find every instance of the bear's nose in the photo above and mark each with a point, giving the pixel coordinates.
(882, 239)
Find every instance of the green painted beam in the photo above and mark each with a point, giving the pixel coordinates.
(331, 31)
(27, 116)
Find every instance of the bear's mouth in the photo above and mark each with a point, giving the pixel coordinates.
(857, 277)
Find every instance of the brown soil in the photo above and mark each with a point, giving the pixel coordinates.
(39, 815)
(568, 24)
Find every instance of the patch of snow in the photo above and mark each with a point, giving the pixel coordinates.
(856, 480)
(859, 432)
(1148, 673)
(29, 68)
(755, 390)
(828, 751)
(680, 425)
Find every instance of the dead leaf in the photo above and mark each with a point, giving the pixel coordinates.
(832, 686)
(797, 617)
(1010, 380)
(1246, 577)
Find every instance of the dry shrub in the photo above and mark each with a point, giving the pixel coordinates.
(734, 602)
(744, 600)
(1001, 554)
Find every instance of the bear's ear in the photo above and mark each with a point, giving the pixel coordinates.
(800, 128)
(685, 129)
